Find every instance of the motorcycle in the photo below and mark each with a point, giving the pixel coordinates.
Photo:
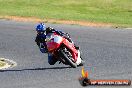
(63, 50)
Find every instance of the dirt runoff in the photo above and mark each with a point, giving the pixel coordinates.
(33, 19)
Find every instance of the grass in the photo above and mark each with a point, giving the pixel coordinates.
(118, 12)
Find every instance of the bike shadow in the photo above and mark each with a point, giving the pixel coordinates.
(33, 69)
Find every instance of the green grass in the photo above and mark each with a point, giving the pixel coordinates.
(118, 12)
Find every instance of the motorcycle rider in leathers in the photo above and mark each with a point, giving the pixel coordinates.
(42, 31)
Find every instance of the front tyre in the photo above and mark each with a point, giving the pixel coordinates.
(82, 62)
(65, 54)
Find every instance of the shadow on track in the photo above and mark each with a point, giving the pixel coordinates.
(34, 69)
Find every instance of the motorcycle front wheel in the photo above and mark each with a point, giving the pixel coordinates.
(66, 55)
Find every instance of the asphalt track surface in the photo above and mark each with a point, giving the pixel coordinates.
(107, 52)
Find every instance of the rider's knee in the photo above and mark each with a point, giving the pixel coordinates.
(51, 59)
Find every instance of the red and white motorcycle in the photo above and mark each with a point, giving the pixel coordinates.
(63, 50)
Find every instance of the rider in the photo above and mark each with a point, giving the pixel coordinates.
(42, 31)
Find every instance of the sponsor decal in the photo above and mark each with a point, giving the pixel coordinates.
(85, 81)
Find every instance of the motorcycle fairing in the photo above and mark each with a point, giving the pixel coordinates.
(72, 48)
(53, 41)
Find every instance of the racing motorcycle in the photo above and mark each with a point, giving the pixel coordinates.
(63, 50)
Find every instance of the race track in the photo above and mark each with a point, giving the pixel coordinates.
(107, 52)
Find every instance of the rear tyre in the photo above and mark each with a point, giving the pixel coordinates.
(64, 54)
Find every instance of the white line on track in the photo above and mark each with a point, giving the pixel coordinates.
(8, 63)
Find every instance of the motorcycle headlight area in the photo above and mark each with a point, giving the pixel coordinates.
(48, 38)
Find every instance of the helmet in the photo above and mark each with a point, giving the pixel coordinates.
(40, 27)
